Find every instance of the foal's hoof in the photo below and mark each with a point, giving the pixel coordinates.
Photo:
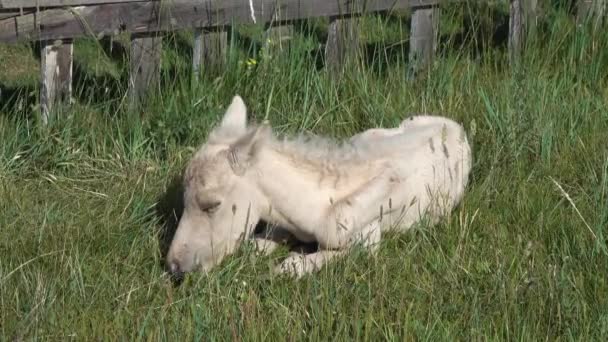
(295, 265)
(265, 247)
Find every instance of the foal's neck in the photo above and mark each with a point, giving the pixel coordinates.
(298, 193)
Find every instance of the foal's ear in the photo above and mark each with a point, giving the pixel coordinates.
(235, 118)
(245, 149)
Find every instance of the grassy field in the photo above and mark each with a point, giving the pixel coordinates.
(85, 204)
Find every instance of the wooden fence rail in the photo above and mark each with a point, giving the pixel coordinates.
(55, 23)
(56, 3)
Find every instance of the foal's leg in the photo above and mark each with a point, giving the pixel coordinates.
(348, 220)
(265, 246)
(300, 264)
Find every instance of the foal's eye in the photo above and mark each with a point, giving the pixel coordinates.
(211, 207)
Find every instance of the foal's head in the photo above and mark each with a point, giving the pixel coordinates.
(221, 201)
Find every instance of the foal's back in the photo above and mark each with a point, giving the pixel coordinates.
(417, 135)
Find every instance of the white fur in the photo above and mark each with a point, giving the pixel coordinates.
(337, 194)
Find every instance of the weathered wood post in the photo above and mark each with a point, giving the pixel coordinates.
(583, 9)
(600, 11)
(209, 49)
(423, 38)
(515, 29)
(144, 74)
(587, 9)
(342, 45)
(55, 75)
(522, 24)
(530, 13)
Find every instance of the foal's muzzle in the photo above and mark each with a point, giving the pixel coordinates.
(176, 273)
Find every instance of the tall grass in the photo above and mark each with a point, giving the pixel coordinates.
(85, 201)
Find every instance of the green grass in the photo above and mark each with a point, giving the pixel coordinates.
(84, 202)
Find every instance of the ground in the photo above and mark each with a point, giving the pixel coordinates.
(86, 203)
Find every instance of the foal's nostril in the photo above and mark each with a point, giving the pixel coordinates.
(176, 272)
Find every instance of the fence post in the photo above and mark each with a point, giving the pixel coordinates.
(55, 74)
(522, 24)
(515, 31)
(600, 11)
(209, 49)
(582, 10)
(530, 13)
(590, 9)
(423, 38)
(144, 74)
(342, 44)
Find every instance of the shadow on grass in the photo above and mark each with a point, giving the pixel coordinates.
(477, 36)
(169, 210)
(97, 89)
(88, 87)
(17, 100)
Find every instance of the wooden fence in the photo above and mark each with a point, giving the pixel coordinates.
(55, 23)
